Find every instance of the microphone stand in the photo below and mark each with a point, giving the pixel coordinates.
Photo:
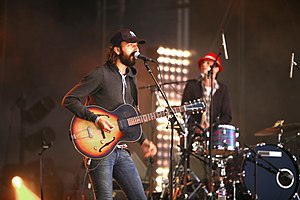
(172, 120)
(210, 74)
(150, 160)
(44, 147)
(185, 151)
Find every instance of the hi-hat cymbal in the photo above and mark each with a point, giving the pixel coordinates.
(278, 129)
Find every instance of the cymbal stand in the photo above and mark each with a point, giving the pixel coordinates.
(279, 142)
(298, 144)
(221, 192)
(296, 196)
(185, 152)
(200, 186)
(255, 175)
(181, 170)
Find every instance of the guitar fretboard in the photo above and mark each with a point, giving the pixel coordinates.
(152, 116)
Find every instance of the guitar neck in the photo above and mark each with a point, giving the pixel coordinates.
(152, 116)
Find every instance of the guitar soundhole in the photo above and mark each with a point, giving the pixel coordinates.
(107, 144)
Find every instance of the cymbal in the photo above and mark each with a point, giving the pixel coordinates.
(278, 129)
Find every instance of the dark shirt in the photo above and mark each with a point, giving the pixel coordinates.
(220, 101)
(103, 87)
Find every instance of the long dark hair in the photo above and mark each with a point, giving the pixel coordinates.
(111, 55)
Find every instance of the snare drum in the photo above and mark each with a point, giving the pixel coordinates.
(224, 140)
(276, 174)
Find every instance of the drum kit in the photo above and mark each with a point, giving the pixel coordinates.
(262, 171)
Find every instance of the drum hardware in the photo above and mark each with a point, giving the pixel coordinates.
(285, 178)
(224, 140)
(225, 148)
(296, 196)
(185, 180)
(266, 170)
(278, 128)
(280, 175)
(200, 185)
(274, 174)
(182, 191)
(221, 192)
(234, 189)
(259, 155)
(291, 138)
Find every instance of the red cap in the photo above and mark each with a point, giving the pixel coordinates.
(211, 56)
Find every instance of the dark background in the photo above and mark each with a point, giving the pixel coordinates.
(48, 45)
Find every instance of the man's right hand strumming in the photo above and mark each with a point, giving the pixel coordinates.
(104, 124)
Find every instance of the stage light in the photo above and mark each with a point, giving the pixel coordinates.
(165, 137)
(185, 71)
(21, 191)
(17, 182)
(178, 78)
(172, 77)
(39, 110)
(172, 69)
(186, 54)
(174, 66)
(173, 52)
(166, 68)
(185, 62)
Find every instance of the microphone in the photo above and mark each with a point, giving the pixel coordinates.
(224, 45)
(285, 178)
(292, 65)
(138, 55)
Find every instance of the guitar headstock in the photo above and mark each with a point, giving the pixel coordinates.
(195, 106)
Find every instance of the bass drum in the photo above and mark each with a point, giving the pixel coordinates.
(275, 176)
(233, 182)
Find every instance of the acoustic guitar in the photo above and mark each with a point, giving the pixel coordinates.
(89, 140)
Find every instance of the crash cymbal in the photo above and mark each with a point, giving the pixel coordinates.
(278, 129)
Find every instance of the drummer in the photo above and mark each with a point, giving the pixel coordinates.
(201, 89)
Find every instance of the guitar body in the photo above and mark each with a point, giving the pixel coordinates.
(92, 142)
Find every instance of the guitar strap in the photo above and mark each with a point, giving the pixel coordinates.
(134, 91)
(87, 101)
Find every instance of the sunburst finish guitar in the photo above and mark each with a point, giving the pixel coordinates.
(92, 142)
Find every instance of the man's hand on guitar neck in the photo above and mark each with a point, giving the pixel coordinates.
(104, 124)
(149, 149)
